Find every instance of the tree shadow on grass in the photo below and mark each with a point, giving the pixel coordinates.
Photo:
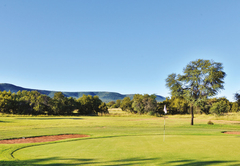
(133, 161)
(55, 161)
(1, 121)
(59, 161)
(200, 163)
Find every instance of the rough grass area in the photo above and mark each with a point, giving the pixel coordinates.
(129, 140)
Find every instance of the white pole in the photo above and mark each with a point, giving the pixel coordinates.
(164, 129)
(165, 111)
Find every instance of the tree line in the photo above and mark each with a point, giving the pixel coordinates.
(35, 103)
(216, 106)
(147, 104)
(140, 104)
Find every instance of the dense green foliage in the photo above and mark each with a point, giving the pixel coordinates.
(220, 107)
(34, 103)
(178, 105)
(145, 104)
(126, 104)
(141, 104)
(201, 79)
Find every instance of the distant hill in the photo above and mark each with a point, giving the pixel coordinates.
(104, 96)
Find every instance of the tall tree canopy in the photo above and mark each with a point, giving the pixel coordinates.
(201, 79)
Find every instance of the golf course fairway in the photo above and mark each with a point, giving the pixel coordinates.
(136, 140)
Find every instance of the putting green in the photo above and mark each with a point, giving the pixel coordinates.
(137, 150)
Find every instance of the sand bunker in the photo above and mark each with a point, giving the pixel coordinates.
(41, 139)
(232, 132)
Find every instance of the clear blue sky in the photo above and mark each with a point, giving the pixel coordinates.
(125, 46)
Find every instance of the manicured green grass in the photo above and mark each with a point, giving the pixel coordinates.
(130, 140)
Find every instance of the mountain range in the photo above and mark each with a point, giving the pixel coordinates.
(104, 96)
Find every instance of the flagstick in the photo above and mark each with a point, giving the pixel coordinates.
(164, 129)
(165, 111)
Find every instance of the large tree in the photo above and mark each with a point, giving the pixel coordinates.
(201, 80)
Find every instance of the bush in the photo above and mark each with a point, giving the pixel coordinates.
(151, 113)
(210, 122)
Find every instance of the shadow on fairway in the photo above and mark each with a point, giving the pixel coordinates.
(133, 161)
(69, 161)
(4, 121)
(55, 161)
(198, 163)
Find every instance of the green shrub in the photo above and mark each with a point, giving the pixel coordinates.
(151, 113)
(210, 122)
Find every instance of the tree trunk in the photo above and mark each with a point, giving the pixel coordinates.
(192, 115)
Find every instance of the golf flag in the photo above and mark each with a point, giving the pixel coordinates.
(165, 109)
